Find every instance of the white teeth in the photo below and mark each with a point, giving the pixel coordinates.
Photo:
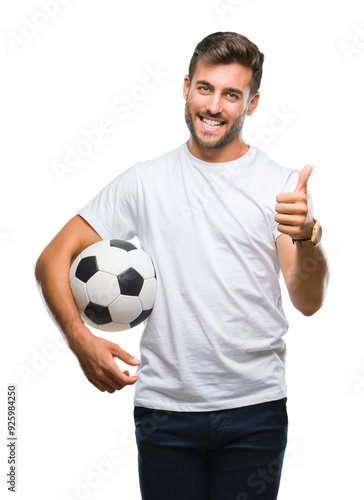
(211, 123)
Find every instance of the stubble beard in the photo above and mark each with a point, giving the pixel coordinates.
(231, 133)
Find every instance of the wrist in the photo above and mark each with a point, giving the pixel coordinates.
(314, 237)
(77, 334)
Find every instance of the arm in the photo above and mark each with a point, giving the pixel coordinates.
(305, 269)
(306, 274)
(95, 355)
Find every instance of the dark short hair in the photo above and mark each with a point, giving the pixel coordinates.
(226, 48)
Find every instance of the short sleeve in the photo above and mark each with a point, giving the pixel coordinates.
(113, 211)
(289, 187)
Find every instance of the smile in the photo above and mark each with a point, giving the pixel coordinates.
(211, 124)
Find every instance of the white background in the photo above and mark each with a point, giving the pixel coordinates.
(63, 79)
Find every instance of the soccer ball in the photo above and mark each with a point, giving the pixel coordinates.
(114, 285)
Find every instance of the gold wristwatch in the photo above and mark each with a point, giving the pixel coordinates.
(315, 238)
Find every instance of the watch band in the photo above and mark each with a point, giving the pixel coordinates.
(315, 238)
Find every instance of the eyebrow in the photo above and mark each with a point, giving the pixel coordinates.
(230, 89)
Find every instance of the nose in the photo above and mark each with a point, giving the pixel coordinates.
(214, 104)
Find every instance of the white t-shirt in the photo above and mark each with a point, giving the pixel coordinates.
(214, 338)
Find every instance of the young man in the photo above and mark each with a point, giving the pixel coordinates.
(218, 218)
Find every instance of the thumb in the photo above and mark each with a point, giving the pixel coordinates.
(303, 179)
(118, 352)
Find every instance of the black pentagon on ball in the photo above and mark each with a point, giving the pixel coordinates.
(86, 268)
(98, 314)
(142, 316)
(130, 282)
(124, 245)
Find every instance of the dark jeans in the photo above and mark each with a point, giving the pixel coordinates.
(232, 454)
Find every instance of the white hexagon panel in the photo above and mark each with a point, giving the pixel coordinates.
(103, 288)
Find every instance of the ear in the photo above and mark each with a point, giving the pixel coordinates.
(186, 86)
(253, 104)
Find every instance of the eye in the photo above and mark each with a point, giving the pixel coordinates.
(203, 88)
(232, 96)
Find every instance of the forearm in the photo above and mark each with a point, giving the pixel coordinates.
(95, 354)
(52, 274)
(308, 279)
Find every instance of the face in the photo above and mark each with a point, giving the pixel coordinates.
(217, 102)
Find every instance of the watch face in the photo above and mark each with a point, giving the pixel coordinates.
(319, 234)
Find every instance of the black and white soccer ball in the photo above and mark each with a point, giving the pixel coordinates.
(114, 285)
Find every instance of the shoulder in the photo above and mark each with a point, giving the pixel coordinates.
(145, 170)
(270, 165)
(274, 174)
(159, 163)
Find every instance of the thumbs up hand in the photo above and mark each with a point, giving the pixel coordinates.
(293, 216)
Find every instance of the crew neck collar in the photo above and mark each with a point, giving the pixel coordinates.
(215, 165)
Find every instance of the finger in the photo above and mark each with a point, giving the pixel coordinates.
(290, 220)
(118, 352)
(124, 380)
(110, 389)
(303, 179)
(130, 380)
(120, 379)
(103, 386)
(115, 379)
(294, 197)
(290, 208)
(112, 375)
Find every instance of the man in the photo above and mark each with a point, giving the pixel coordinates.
(218, 218)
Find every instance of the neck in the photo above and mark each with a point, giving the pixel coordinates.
(232, 151)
